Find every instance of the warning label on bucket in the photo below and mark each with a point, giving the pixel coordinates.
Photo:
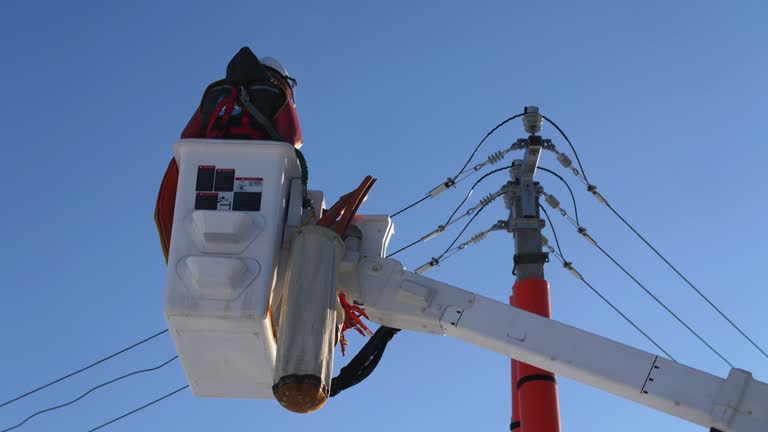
(248, 184)
(219, 189)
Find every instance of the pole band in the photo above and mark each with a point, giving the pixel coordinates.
(535, 377)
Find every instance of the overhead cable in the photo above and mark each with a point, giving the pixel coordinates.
(471, 156)
(112, 381)
(409, 206)
(569, 266)
(575, 153)
(590, 239)
(453, 181)
(568, 186)
(134, 411)
(441, 228)
(472, 189)
(436, 260)
(477, 238)
(552, 227)
(688, 282)
(563, 159)
(85, 368)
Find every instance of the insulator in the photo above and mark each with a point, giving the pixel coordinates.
(532, 120)
(564, 160)
(552, 201)
(488, 199)
(478, 237)
(496, 156)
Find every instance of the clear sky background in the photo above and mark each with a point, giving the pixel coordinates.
(665, 102)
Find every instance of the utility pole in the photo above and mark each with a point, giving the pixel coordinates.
(534, 390)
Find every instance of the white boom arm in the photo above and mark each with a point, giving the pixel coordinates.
(238, 204)
(397, 298)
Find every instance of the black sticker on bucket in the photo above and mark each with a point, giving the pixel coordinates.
(225, 180)
(206, 201)
(205, 177)
(247, 201)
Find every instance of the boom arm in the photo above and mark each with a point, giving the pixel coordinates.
(398, 298)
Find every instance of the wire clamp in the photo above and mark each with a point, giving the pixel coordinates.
(432, 263)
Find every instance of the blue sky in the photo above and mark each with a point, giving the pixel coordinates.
(665, 102)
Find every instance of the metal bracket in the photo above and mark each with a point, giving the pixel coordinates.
(525, 224)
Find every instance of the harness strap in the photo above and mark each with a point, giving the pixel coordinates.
(264, 123)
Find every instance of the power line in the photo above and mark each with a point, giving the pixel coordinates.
(484, 201)
(472, 189)
(583, 232)
(458, 236)
(452, 181)
(569, 266)
(552, 226)
(147, 405)
(575, 153)
(593, 190)
(573, 197)
(54, 408)
(413, 243)
(647, 291)
(471, 156)
(478, 237)
(408, 207)
(687, 281)
(69, 375)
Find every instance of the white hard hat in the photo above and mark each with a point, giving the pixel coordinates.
(275, 64)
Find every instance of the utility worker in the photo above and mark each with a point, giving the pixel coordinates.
(255, 101)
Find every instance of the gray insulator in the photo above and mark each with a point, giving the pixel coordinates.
(564, 160)
(532, 120)
(552, 201)
(478, 237)
(496, 157)
(488, 199)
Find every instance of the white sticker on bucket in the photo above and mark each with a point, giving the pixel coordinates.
(249, 184)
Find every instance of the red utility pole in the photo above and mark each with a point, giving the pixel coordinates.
(534, 390)
(514, 422)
